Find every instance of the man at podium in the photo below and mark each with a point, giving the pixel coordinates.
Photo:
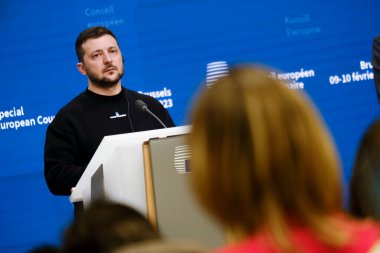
(104, 108)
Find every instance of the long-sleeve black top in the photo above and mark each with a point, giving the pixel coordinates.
(79, 127)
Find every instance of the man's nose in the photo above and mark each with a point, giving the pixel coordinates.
(107, 58)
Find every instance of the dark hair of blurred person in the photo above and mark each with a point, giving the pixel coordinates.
(376, 65)
(162, 247)
(46, 248)
(264, 165)
(106, 226)
(365, 180)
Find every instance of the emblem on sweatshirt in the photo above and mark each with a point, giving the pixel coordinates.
(117, 115)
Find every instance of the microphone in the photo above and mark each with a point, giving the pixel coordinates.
(143, 107)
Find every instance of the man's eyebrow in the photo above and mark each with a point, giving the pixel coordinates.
(96, 51)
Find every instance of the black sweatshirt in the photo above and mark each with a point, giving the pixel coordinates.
(79, 127)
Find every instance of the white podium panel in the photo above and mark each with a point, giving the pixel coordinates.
(117, 169)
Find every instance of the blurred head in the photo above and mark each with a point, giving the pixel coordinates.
(376, 64)
(99, 57)
(261, 154)
(162, 247)
(365, 181)
(106, 226)
(44, 249)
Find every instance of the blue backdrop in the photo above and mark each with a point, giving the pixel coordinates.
(322, 47)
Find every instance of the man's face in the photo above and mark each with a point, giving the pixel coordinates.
(102, 61)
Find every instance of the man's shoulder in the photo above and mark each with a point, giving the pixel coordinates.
(146, 98)
(75, 102)
(137, 95)
(72, 107)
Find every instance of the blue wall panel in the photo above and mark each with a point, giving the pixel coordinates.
(167, 46)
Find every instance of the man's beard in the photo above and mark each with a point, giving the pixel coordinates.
(104, 82)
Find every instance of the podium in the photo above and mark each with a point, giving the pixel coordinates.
(149, 171)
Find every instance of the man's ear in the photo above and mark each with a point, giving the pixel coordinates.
(81, 68)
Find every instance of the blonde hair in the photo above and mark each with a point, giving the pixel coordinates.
(261, 156)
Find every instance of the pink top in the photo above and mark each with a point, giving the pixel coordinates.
(364, 235)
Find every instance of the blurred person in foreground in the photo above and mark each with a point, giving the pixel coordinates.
(162, 247)
(45, 248)
(365, 180)
(264, 165)
(106, 226)
(376, 65)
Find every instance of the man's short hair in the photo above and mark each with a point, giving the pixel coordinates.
(90, 33)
